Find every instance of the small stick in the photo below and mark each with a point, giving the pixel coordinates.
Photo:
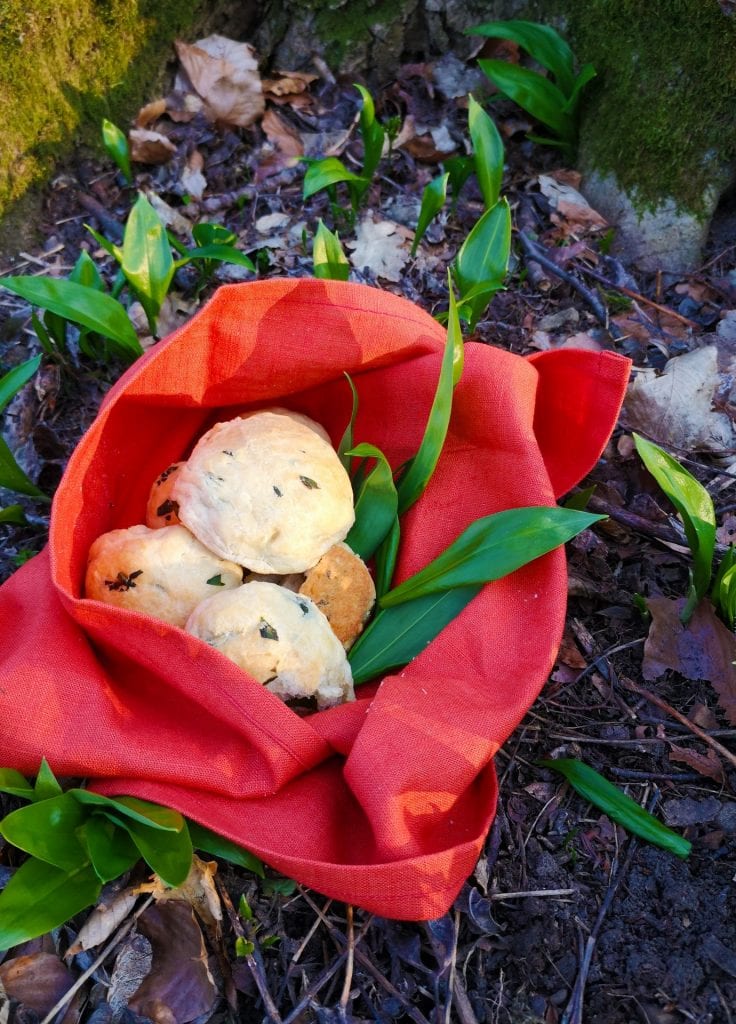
(310, 933)
(453, 969)
(117, 937)
(531, 892)
(345, 997)
(254, 959)
(537, 252)
(679, 717)
(537, 276)
(314, 988)
(631, 294)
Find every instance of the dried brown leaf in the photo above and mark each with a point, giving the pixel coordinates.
(179, 987)
(132, 964)
(705, 649)
(289, 83)
(150, 113)
(103, 921)
(38, 982)
(225, 74)
(149, 147)
(183, 107)
(198, 890)
(192, 179)
(381, 246)
(284, 136)
(707, 764)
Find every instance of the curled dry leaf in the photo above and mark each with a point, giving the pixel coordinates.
(198, 890)
(707, 764)
(571, 208)
(150, 113)
(225, 75)
(381, 247)
(149, 147)
(38, 982)
(284, 136)
(183, 107)
(705, 649)
(179, 986)
(288, 83)
(103, 921)
(192, 179)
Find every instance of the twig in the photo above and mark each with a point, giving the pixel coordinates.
(111, 226)
(527, 223)
(631, 294)
(345, 996)
(254, 960)
(531, 892)
(660, 531)
(117, 937)
(339, 939)
(453, 969)
(537, 252)
(462, 1003)
(679, 717)
(310, 933)
(314, 988)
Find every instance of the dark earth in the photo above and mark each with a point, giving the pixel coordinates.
(567, 917)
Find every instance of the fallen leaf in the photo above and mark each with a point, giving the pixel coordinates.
(288, 83)
(198, 890)
(675, 407)
(430, 146)
(149, 147)
(571, 208)
(702, 715)
(569, 653)
(284, 136)
(271, 222)
(381, 247)
(192, 179)
(225, 74)
(38, 982)
(183, 106)
(707, 764)
(170, 217)
(705, 649)
(103, 921)
(179, 987)
(150, 113)
(132, 965)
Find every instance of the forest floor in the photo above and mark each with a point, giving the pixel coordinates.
(567, 917)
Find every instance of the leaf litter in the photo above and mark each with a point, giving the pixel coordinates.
(667, 942)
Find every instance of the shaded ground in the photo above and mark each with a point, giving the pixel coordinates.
(566, 918)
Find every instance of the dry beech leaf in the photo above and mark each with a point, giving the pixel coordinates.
(381, 246)
(103, 921)
(705, 649)
(198, 890)
(570, 206)
(225, 74)
(150, 113)
(289, 83)
(192, 179)
(707, 764)
(38, 982)
(284, 136)
(149, 147)
(179, 987)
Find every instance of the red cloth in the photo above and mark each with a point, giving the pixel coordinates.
(383, 803)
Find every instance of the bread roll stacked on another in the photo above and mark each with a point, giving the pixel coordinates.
(243, 547)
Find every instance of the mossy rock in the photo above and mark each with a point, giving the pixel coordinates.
(64, 65)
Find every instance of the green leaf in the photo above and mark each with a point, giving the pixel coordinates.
(533, 93)
(47, 785)
(492, 547)
(488, 149)
(385, 560)
(244, 908)
(693, 503)
(541, 42)
(396, 635)
(146, 258)
(116, 145)
(217, 251)
(206, 233)
(13, 514)
(153, 815)
(423, 464)
(459, 168)
(243, 947)
(726, 596)
(48, 830)
(433, 199)
(372, 133)
(329, 171)
(40, 897)
(328, 258)
(375, 506)
(80, 304)
(587, 72)
(169, 854)
(13, 477)
(346, 441)
(15, 784)
(280, 886)
(16, 378)
(110, 848)
(85, 272)
(580, 499)
(482, 260)
(617, 806)
(114, 250)
(204, 839)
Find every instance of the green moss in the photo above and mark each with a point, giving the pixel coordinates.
(65, 65)
(661, 114)
(343, 31)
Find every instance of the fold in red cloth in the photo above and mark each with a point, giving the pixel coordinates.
(383, 803)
